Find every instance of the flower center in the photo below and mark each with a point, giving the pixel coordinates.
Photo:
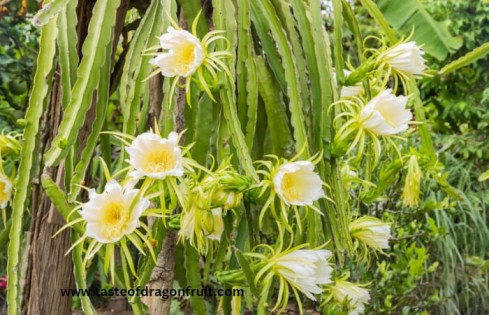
(113, 213)
(389, 118)
(161, 160)
(290, 188)
(3, 194)
(186, 57)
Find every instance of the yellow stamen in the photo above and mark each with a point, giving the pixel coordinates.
(186, 57)
(113, 213)
(3, 195)
(159, 160)
(289, 187)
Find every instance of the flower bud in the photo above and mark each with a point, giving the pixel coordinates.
(358, 74)
(174, 222)
(213, 224)
(199, 225)
(354, 296)
(349, 90)
(412, 185)
(234, 181)
(9, 145)
(371, 231)
(227, 200)
(406, 58)
(348, 176)
(231, 277)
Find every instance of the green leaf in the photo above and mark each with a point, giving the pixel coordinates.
(39, 95)
(100, 114)
(203, 126)
(336, 214)
(388, 176)
(67, 40)
(264, 11)
(80, 275)
(4, 234)
(244, 66)
(484, 176)
(466, 59)
(137, 67)
(58, 198)
(248, 273)
(103, 20)
(48, 11)
(419, 111)
(322, 49)
(191, 9)
(194, 279)
(315, 72)
(283, 8)
(275, 108)
(224, 20)
(375, 12)
(268, 46)
(404, 15)
(251, 101)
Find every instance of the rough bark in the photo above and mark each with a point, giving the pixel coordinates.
(48, 269)
(162, 276)
(164, 272)
(155, 100)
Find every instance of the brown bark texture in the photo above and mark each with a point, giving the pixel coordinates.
(48, 269)
(164, 272)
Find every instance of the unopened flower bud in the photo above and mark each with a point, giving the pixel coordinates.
(9, 145)
(346, 292)
(227, 200)
(235, 182)
(231, 277)
(371, 231)
(412, 185)
(406, 58)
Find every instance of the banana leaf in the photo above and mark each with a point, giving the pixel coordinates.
(434, 36)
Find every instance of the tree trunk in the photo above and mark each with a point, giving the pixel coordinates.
(164, 272)
(48, 269)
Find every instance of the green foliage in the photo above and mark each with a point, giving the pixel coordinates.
(18, 49)
(279, 96)
(94, 49)
(44, 71)
(474, 55)
(411, 16)
(458, 100)
(463, 247)
(448, 239)
(402, 288)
